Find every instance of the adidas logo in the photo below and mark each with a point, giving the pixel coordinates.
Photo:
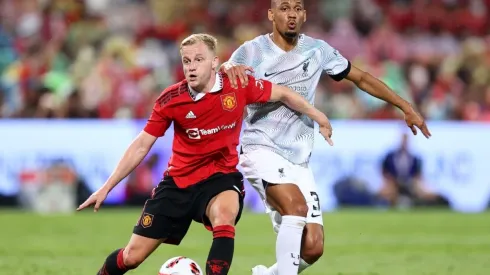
(190, 115)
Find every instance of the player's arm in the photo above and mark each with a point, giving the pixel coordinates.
(377, 88)
(296, 102)
(338, 67)
(156, 126)
(133, 156)
(135, 153)
(239, 63)
(260, 90)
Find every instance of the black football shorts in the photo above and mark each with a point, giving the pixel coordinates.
(170, 210)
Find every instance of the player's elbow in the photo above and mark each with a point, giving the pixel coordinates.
(280, 93)
(365, 80)
(144, 142)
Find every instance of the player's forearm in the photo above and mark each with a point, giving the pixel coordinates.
(377, 88)
(296, 102)
(133, 156)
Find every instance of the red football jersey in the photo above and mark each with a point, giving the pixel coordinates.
(206, 125)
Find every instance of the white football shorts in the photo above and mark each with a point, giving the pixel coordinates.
(266, 165)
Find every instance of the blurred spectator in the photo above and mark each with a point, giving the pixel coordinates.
(402, 179)
(111, 58)
(49, 189)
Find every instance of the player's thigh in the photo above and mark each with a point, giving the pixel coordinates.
(221, 200)
(309, 192)
(223, 208)
(167, 215)
(274, 178)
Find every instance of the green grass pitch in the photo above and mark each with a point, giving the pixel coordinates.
(358, 242)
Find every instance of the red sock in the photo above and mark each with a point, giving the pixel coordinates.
(114, 264)
(221, 253)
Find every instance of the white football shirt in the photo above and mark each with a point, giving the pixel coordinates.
(273, 126)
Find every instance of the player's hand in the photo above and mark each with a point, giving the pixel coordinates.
(415, 120)
(326, 131)
(237, 71)
(97, 198)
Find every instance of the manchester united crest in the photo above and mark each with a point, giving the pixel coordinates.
(146, 220)
(228, 101)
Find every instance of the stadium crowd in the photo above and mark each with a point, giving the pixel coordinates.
(111, 58)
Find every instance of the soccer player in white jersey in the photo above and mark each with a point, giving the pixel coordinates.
(277, 142)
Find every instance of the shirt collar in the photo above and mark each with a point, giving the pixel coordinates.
(218, 86)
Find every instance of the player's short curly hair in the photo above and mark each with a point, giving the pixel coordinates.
(210, 41)
(274, 4)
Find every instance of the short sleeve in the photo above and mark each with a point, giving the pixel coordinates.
(333, 63)
(243, 55)
(258, 90)
(159, 120)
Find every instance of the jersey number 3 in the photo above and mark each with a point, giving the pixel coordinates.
(316, 212)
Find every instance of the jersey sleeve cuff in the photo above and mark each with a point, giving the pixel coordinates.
(343, 74)
(152, 131)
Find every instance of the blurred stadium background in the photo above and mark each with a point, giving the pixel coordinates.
(78, 77)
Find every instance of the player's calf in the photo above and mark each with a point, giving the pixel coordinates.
(288, 200)
(122, 260)
(312, 246)
(222, 211)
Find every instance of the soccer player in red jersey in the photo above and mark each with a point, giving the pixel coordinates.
(202, 182)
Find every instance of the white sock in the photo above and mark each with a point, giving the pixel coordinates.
(288, 244)
(302, 266)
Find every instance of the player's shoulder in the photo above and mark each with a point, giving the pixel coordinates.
(257, 42)
(173, 92)
(309, 41)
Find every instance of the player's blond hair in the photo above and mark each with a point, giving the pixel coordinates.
(210, 41)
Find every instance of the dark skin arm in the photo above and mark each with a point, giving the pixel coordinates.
(378, 89)
(361, 79)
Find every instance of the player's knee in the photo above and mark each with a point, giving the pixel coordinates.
(287, 199)
(312, 248)
(224, 208)
(295, 209)
(132, 257)
(224, 216)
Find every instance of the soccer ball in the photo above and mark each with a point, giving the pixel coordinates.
(180, 266)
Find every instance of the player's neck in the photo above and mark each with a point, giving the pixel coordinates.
(285, 43)
(208, 86)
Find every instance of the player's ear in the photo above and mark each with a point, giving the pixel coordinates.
(304, 19)
(215, 63)
(270, 15)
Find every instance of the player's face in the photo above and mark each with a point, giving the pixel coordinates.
(288, 16)
(199, 64)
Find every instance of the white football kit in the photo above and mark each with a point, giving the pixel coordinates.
(277, 142)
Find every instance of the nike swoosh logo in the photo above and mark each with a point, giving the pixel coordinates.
(267, 75)
(314, 216)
